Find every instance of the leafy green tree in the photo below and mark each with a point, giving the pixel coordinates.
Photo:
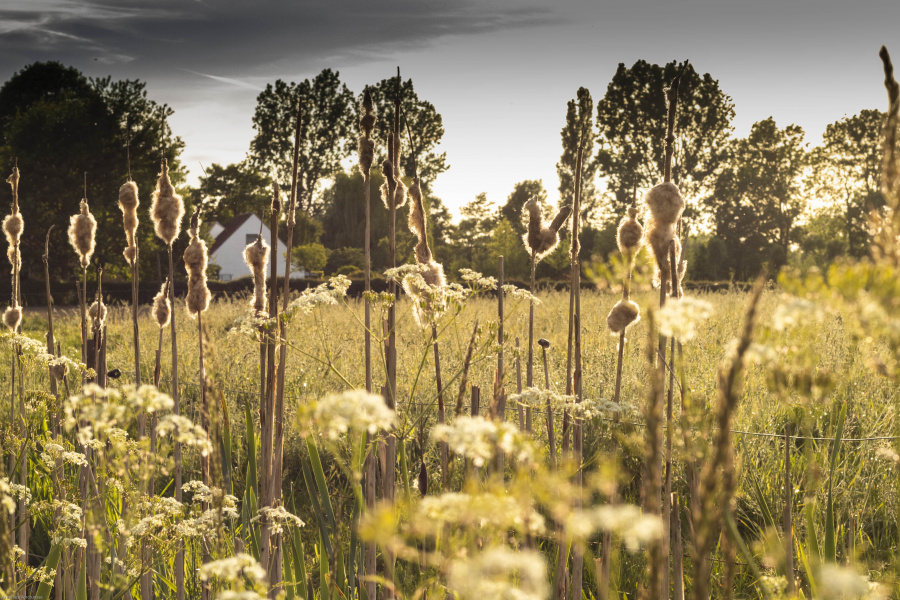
(631, 121)
(847, 172)
(59, 125)
(513, 210)
(579, 122)
(345, 257)
(506, 242)
(471, 236)
(327, 133)
(426, 126)
(756, 198)
(312, 257)
(233, 190)
(822, 239)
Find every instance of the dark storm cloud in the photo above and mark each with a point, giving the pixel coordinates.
(236, 37)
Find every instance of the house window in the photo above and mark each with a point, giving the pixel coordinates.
(251, 238)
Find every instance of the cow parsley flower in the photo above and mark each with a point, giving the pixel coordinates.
(479, 439)
(682, 318)
(500, 574)
(355, 411)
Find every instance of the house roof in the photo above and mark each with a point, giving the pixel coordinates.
(229, 230)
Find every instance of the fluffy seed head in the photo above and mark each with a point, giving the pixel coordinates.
(256, 255)
(417, 223)
(629, 235)
(660, 238)
(195, 261)
(82, 228)
(167, 208)
(425, 298)
(12, 317)
(367, 121)
(665, 202)
(58, 371)
(97, 313)
(162, 310)
(366, 155)
(541, 239)
(395, 140)
(624, 314)
(13, 225)
(128, 203)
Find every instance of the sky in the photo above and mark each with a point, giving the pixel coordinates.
(499, 72)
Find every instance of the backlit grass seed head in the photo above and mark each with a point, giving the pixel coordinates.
(623, 315)
(629, 235)
(12, 318)
(162, 310)
(195, 261)
(128, 203)
(97, 313)
(82, 228)
(541, 238)
(256, 255)
(167, 208)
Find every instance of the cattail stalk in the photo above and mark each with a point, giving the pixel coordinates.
(268, 424)
(366, 157)
(275, 575)
(167, 210)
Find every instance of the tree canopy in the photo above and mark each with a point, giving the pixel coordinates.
(631, 121)
(58, 125)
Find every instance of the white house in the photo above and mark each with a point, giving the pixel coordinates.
(228, 249)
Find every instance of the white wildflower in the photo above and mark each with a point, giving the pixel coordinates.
(682, 318)
(502, 512)
(625, 520)
(398, 273)
(184, 431)
(500, 574)
(277, 517)
(478, 281)
(796, 311)
(240, 595)
(356, 411)
(836, 582)
(233, 568)
(520, 294)
(478, 439)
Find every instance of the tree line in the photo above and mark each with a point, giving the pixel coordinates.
(765, 200)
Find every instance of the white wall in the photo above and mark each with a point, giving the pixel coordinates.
(230, 255)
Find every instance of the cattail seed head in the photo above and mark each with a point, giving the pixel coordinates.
(624, 314)
(162, 310)
(128, 203)
(12, 317)
(195, 261)
(541, 238)
(665, 202)
(82, 228)
(97, 313)
(629, 234)
(392, 179)
(367, 121)
(58, 371)
(366, 155)
(256, 255)
(13, 225)
(167, 208)
(395, 140)
(417, 222)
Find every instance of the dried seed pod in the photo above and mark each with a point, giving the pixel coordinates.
(195, 261)
(433, 272)
(366, 155)
(13, 225)
(624, 314)
(256, 255)
(367, 121)
(167, 208)
(97, 313)
(541, 239)
(392, 178)
(12, 317)
(128, 203)
(82, 228)
(629, 235)
(162, 310)
(666, 205)
(417, 222)
(58, 371)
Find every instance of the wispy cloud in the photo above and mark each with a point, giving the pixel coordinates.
(228, 80)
